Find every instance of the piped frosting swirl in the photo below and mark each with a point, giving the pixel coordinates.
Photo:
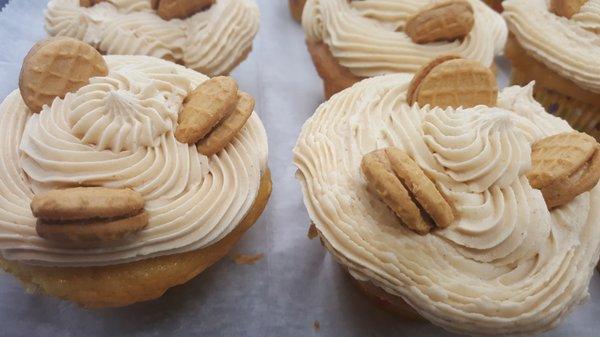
(507, 265)
(212, 42)
(118, 132)
(367, 38)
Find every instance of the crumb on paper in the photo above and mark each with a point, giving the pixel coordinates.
(312, 231)
(317, 325)
(248, 259)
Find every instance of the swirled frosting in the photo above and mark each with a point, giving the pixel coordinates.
(213, 41)
(570, 47)
(367, 38)
(118, 131)
(507, 265)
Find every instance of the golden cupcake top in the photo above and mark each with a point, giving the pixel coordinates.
(122, 158)
(210, 36)
(442, 206)
(373, 37)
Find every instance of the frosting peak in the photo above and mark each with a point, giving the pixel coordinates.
(122, 114)
(479, 146)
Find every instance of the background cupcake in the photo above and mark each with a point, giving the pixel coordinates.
(210, 36)
(350, 41)
(558, 46)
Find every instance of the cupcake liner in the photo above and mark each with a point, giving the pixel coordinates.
(582, 116)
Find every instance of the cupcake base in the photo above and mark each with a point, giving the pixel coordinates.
(561, 97)
(335, 76)
(125, 284)
(296, 8)
(384, 300)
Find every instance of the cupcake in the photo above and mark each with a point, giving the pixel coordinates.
(350, 41)
(445, 198)
(209, 36)
(495, 4)
(557, 45)
(296, 8)
(123, 175)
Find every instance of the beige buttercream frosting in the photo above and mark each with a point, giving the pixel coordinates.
(507, 265)
(570, 47)
(118, 131)
(212, 41)
(367, 38)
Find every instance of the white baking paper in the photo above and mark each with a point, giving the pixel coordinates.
(296, 284)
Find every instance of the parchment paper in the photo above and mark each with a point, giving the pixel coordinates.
(296, 284)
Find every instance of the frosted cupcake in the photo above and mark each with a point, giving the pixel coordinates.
(557, 45)
(350, 41)
(107, 198)
(209, 36)
(431, 206)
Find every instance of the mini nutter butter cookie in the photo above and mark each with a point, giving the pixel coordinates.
(403, 186)
(379, 174)
(564, 166)
(222, 135)
(103, 205)
(566, 8)
(352, 40)
(555, 44)
(213, 114)
(205, 107)
(375, 169)
(452, 81)
(89, 217)
(421, 187)
(443, 21)
(209, 36)
(56, 66)
(179, 9)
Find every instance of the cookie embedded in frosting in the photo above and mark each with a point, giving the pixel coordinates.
(564, 166)
(89, 217)
(213, 114)
(405, 188)
(444, 21)
(179, 9)
(449, 81)
(205, 107)
(381, 179)
(56, 66)
(566, 8)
